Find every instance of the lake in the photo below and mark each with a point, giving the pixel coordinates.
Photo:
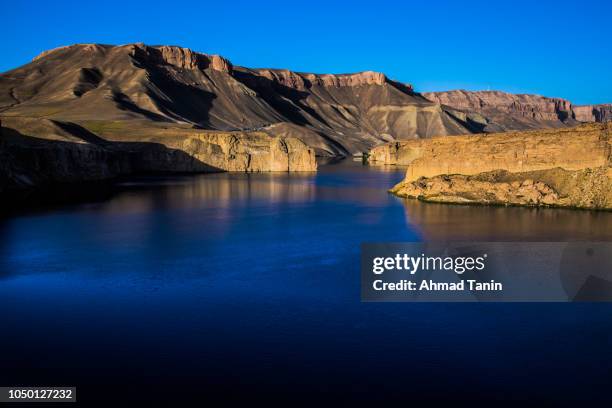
(237, 286)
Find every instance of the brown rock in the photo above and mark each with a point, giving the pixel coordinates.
(506, 111)
(528, 106)
(218, 63)
(568, 167)
(586, 146)
(593, 113)
(338, 114)
(590, 188)
(341, 114)
(35, 152)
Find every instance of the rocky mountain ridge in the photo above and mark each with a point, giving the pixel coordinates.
(336, 114)
(506, 111)
(170, 103)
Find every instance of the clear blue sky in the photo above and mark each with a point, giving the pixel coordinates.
(555, 48)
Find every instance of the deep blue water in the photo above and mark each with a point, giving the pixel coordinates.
(231, 286)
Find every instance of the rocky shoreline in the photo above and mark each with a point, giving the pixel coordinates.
(89, 112)
(558, 168)
(62, 152)
(584, 189)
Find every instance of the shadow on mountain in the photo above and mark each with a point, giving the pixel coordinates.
(125, 103)
(89, 79)
(286, 100)
(175, 98)
(467, 122)
(75, 130)
(180, 101)
(403, 88)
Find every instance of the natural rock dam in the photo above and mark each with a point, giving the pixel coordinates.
(38, 152)
(568, 167)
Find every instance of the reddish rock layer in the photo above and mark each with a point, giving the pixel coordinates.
(593, 113)
(528, 106)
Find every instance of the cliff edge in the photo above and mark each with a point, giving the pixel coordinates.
(570, 167)
(38, 152)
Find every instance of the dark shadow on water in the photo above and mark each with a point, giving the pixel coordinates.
(67, 172)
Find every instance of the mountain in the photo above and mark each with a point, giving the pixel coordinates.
(506, 111)
(134, 86)
(92, 111)
(98, 85)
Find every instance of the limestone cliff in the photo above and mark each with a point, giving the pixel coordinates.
(563, 167)
(588, 188)
(37, 152)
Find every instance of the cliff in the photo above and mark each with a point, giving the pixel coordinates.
(36, 152)
(568, 167)
(593, 113)
(505, 111)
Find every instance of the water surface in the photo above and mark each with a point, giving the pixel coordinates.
(227, 285)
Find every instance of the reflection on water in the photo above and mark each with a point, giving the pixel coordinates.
(457, 222)
(229, 279)
(153, 224)
(222, 190)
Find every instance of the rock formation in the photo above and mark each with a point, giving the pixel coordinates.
(39, 152)
(563, 167)
(340, 114)
(505, 111)
(202, 107)
(593, 113)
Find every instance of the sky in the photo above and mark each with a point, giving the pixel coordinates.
(553, 48)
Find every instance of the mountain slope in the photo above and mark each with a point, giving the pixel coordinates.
(335, 114)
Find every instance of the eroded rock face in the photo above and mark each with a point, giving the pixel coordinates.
(593, 113)
(581, 147)
(338, 114)
(563, 167)
(247, 152)
(302, 81)
(63, 153)
(183, 58)
(341, 114)
(588, 188)
(395, 153)
(506, 111)
(530, 106)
